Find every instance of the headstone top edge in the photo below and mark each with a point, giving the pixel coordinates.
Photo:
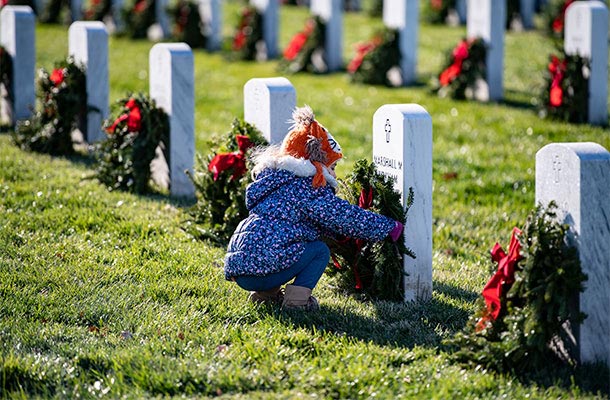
(409, 108)
(18, 9)
(583, 150)
(591, 4)
(273, 81)
(173, 47)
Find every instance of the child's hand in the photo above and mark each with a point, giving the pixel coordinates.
(395, 233)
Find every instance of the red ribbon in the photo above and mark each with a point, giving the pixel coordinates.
(133, 117)
(361, 51)
(298, 41)
(557, 68)
(459, 54)
(503, 279)
(57, 76)
(235, 160)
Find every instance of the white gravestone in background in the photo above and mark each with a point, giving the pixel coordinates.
(270, 12)
(331, 13)
(577, 177)
(268, 105)
(172, 87)
(487, 19)
(88, 44)
(402, 150)
(211, 16)
(18, 37)
(403, 15)
(586, 35)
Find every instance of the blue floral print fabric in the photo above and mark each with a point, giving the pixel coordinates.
(285, 211)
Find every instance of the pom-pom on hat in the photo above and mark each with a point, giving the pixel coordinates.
(310, 140)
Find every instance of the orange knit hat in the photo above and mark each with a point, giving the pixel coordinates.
(312, 141)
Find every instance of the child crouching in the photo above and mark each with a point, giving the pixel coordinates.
(292, 204)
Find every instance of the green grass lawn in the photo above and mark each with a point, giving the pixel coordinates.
(104, 295)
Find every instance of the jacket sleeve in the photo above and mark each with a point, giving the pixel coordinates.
(340, 217)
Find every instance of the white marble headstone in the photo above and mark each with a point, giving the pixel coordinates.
(172, 87)
(577, 177)
(586, 34)
(270, 12)
(18, 37)
(487, 19)
(331, 13)
(402, 150)
(88, 44)
(211, 15)
(403, 15)
(268, 105)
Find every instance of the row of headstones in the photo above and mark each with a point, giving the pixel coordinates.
(575, 175)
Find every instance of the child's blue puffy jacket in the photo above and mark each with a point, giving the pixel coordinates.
(285, 211)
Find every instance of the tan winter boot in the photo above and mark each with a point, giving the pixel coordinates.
(299, 297)
(275, 296)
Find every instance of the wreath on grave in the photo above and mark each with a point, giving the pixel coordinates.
(554, 17)
(63, 97)
(53, 9)
(375, 59)
(138, 18)
(97, 10)
(526, 303)
(6, 75)
(566, 91)
(437, 11)
(375, 269)
(464, 69)
(306, 48)
(133, 134)
(248, 43)
(188, 25)
(220, 181)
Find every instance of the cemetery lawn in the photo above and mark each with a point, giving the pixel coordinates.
(102, 294)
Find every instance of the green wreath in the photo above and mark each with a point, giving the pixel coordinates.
(188, 25)
(132, 137)
(437, 11)
(248, 35)
(566, 90)
(138, 18)
(533, 309)
(375, 269)
(298, 55)
(53, 9)
(6, 75)
(63, 97)
(220, 181)
(375, 58)
(464, 68)
(97, 10)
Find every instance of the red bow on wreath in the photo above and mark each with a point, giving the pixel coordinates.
(57, 76)
(235, 160)
(459, 54)
(133, 117)
(298, 41)
(503, 279)
(361, 51)
(365, 201)
(557, 68)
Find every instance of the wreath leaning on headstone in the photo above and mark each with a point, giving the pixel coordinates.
(305, 52)
(375, 269)
(248, 43)
(132, 137)
(188, 24)
(6, 76)
(97, 10)
(554, 17)
(63, 97)
(527, 302)
(138, 17)
(375, 59)
(566, 91)
(220, 181)
(437, 11)
(463, 71)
